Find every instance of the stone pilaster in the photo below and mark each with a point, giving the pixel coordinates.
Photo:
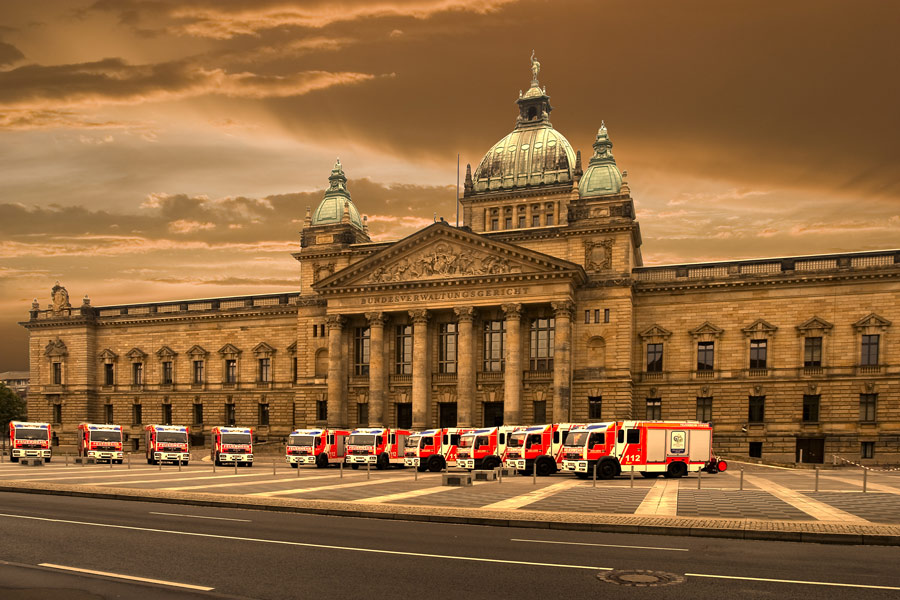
(512, 375)
(465, 366)
(337, 379)
(377, 372)
(562, 360)
(421, 375)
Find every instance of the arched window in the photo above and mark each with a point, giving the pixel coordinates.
(322, 363)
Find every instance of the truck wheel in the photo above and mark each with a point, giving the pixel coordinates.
(383, 462)
(491, 463)
(322, 461)
(606, 470)
(13, 458)
(435, 464)
(354, 466)
(46, 460)
(545, 467)
(421, 468)
(676, 469)
(294, 465)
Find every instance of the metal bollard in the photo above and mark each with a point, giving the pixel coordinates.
(500, 474)
(534, 475)
(594, 484)
(865, 477)
(368, 469)
(817, 478)
(214, 464)
(67, 459)
(416, 471)
(298, 470)
(235, 466)
(742, 478)
(631, 484)
(129, 461)
(160, 462)
(83, 460)
(699, 478)
(273, 467)
(179, 464)
(342, 469)
(110, 463)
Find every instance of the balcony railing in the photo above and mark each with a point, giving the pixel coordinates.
(757, 372)
(542, 375)
(443, 378)
(705, 374)
(653, 376)
(401, 378)
(868, 369)
(490, 376)
(813, 370)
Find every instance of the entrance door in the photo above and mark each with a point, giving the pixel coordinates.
(447, 414)
(810, 450)
(493, 414)
(404, 415)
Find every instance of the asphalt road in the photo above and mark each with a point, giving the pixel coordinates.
(260, 554)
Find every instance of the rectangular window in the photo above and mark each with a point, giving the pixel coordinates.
(869, 356)
(229, 414)
(321, 410)
(315, 331)
(540, 412)
(549, 218)
(521, 221)
(57, 413)
(198, 414)
(606, 315)
(137, 373)
(109, 374)
(542, 344)
(507, 223)
(495, 224)
(633, 436)
(447, 339)
(361, 346)
(596, 315)
(198, 371)
(494, 341)
(167, 372)
(108, 413)
(755, 450)
(263, 374)
(137, 417)
(262, 414)
(231, 370)
(57, 373)
(867, 405)
(587, 317)
(167, 414)
(704, 409)
(535, 220)
(756, 412)
(867, 450)
(654, 409)
(293, 369)
(404, 415)
(705, 356)
(595, 404)
(404, 350)
(362, 414)
(654, 358)
(758, 354)
(812, 352)
(811, 408)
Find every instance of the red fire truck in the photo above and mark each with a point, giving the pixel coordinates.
(652, 448)
(28, 440)
(167, 443)
(484, 448)
(433, 449)
(101, 442)
(320, 447)
(538, 447)
(232, 445)
(379, 446)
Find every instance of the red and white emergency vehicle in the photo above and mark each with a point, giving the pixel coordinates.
(101, 442)
(232, 445)
(538, 447)
(652, 448)
(27, 440)
(379, 446)
(433, 449)
(320, 447)
(167, 443)
(484, 448)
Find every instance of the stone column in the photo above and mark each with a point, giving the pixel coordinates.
(512, 376)
(465, 366)
(377, 321)
(337, 396)
(562, 361)
(421, 376)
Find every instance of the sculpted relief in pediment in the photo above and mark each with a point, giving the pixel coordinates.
(443, 260)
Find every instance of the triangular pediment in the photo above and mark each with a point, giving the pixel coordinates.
(292, 348)
(229, 349)
(136, 354)
(107, 354)
(872, 320)
(440, 253)
(656, 331)
(759, 326)
(706, 328)
(166, 352)
(263, 348)
(197, 351)
(813, 324)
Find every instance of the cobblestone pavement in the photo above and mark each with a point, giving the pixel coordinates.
(767, 493)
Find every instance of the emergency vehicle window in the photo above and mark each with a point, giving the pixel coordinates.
(634, 436)
(597, 439)
(331, 439)
(393, 438)
(443, 440)
(32, 434)
(482, 440)
(621, 436)
(454, 439)
(534, 440)
(378, 440)
(555, 437)
(502, 438)
(428, 441)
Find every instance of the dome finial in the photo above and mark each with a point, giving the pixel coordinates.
(535, 69)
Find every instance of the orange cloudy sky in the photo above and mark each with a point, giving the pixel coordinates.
(165, 149)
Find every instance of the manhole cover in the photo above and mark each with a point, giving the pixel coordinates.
(640, 578)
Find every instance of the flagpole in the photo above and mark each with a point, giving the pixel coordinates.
(457, 189)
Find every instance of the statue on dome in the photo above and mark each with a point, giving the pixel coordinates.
(535, 68)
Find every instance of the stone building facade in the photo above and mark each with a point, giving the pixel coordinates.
(537, 308)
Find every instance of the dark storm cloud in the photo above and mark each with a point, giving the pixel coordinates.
(9, 54)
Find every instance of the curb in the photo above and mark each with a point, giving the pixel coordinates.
(782, 531)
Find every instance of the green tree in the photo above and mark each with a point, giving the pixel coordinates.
(12, 408)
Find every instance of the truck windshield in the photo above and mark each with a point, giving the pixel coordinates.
(466, 441)
(302, 440)
(361, 440)
(516, 440)
(576, 438)
(177, 437)
(235, 438)
(413, 441)
(32, 434)
(106, 436)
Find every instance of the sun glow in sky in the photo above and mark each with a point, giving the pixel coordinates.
(165, 149)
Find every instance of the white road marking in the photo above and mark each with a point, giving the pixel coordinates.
(99, 474)
(411, 494)
(828, 583)
(662, 499)
(309, 545)
(877, 487)
(329, 487)
(540, 494)
(257, 474)
(200, 517)
(189, 586)
(239, 483)
(599, 545)
(814, 508)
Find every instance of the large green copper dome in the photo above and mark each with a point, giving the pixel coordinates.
(602, 177)
(331, 209)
